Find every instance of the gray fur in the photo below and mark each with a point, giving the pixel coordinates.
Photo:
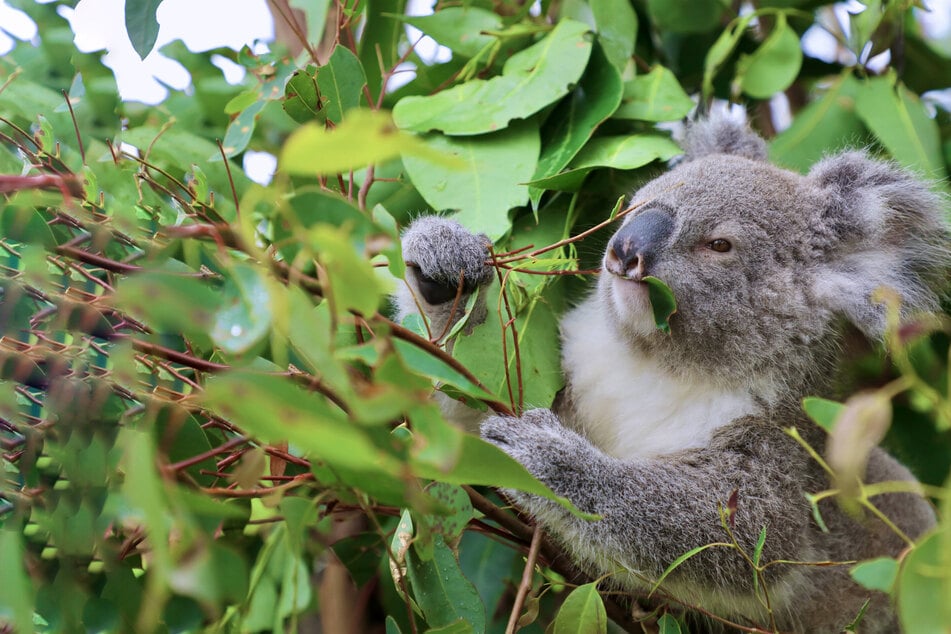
(761, 324)
(443, 250)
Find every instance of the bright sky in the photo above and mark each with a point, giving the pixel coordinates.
(207, 24)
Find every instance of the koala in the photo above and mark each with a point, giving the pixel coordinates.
(659, 433)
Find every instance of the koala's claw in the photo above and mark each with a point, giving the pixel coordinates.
(442, 250)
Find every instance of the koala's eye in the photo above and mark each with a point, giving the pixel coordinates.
(720, 245)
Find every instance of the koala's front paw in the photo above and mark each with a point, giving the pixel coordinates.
(439, 251)
(547, 449)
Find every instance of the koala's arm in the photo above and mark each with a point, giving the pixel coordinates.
(655, 510)
(445, 264)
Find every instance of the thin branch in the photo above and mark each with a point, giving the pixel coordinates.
(72, 115)
(526, 584)
(420, 342)
(234, 192)
(184, 464)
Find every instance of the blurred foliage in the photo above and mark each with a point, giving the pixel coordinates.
(208, 421)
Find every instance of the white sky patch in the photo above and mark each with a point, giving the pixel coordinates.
(428, 49)
(14, 24)
(936, 21)
(259, 166)
(233, 72)
(202, 25)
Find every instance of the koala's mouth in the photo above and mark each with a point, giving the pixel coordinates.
(630, 271)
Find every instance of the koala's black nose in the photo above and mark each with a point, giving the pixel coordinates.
(633, 249)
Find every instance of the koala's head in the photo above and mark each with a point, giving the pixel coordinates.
(766, 264)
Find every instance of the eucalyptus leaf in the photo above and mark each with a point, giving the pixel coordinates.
(923, 585)
(616, 23)
(577, 117)
(620, 152)
(276, 410)
(340, 84)
(582, 612)
(461, 29)
(531, 79)
(496, 166)
(899, 120)
(876, 574)
(686, 16)
(663, 303)
(822, 411)
(365, 137)
(142, 25)
(822, 127)
(656, 96)
(441, 591)
(244, 317)
(774, 65)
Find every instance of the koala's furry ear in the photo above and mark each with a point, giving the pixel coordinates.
(722, 134)
(879, 226)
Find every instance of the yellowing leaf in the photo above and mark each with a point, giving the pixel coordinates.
(365, 137)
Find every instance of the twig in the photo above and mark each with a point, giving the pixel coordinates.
(184, 464)
(72, 115)
(575, 238)
(234, 192)
(411, 337)
(526, 585)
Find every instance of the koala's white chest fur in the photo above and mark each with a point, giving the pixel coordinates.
(627, 404)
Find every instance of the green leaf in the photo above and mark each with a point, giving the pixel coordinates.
(722, 49)
(760, 542)
(774, 65)
(460, 29)
(681, 559)
(215, 573)
(353, 284)
(482, 463)
(668, 625)
(340, 84)
(822, 127)
(876, 574)
(241, 129)
(496, 165)
(576, 118)
(822, 411)
(924, 587)
(656, 96)
(899, 120)
(685, 16)
(301, 99)
(458, 510)
(530, 80)
(273, 409)
(663, 302)
(141, 24)
(169, 303)
(582, 612)
(485, 561)
(616, 24)
(365, 137)
(244, 317)
(862, 25)
(433, 368)
(382, 34)
(17, 604)
(617, 152)
(482, 351)
(441, 591)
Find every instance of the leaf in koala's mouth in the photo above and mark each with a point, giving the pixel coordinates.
(663, 303)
